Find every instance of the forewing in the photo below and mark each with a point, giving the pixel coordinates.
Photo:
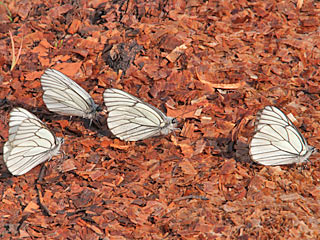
(64, 96)
(130, 118)
(30, 144)
(276, 140)
(271, 115)
(17, 116)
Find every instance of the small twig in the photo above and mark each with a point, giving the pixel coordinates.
(38, 187)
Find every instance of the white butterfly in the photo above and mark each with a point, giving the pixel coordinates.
(276, 140)
(132, 119)
(30, 142)
(66, 97)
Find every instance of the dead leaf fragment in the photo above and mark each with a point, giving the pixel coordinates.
(74, 27)
(31, 207)
(187, 168)
(172, 57)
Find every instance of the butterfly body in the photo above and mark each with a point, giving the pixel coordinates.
(30, 142)
(132, 119)
(64, 96)
(277, 141)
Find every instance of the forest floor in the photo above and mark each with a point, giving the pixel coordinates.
(211, 64)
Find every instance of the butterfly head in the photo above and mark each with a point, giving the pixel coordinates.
(58, 150)
(305, 157)
(174, 122)
(59, 142)
(98, 108)
(171, 125)
(311, 150)
(91, 113)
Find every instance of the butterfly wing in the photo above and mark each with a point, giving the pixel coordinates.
(276, 140)
(66, 97)
(30, 142)
(131, 119)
